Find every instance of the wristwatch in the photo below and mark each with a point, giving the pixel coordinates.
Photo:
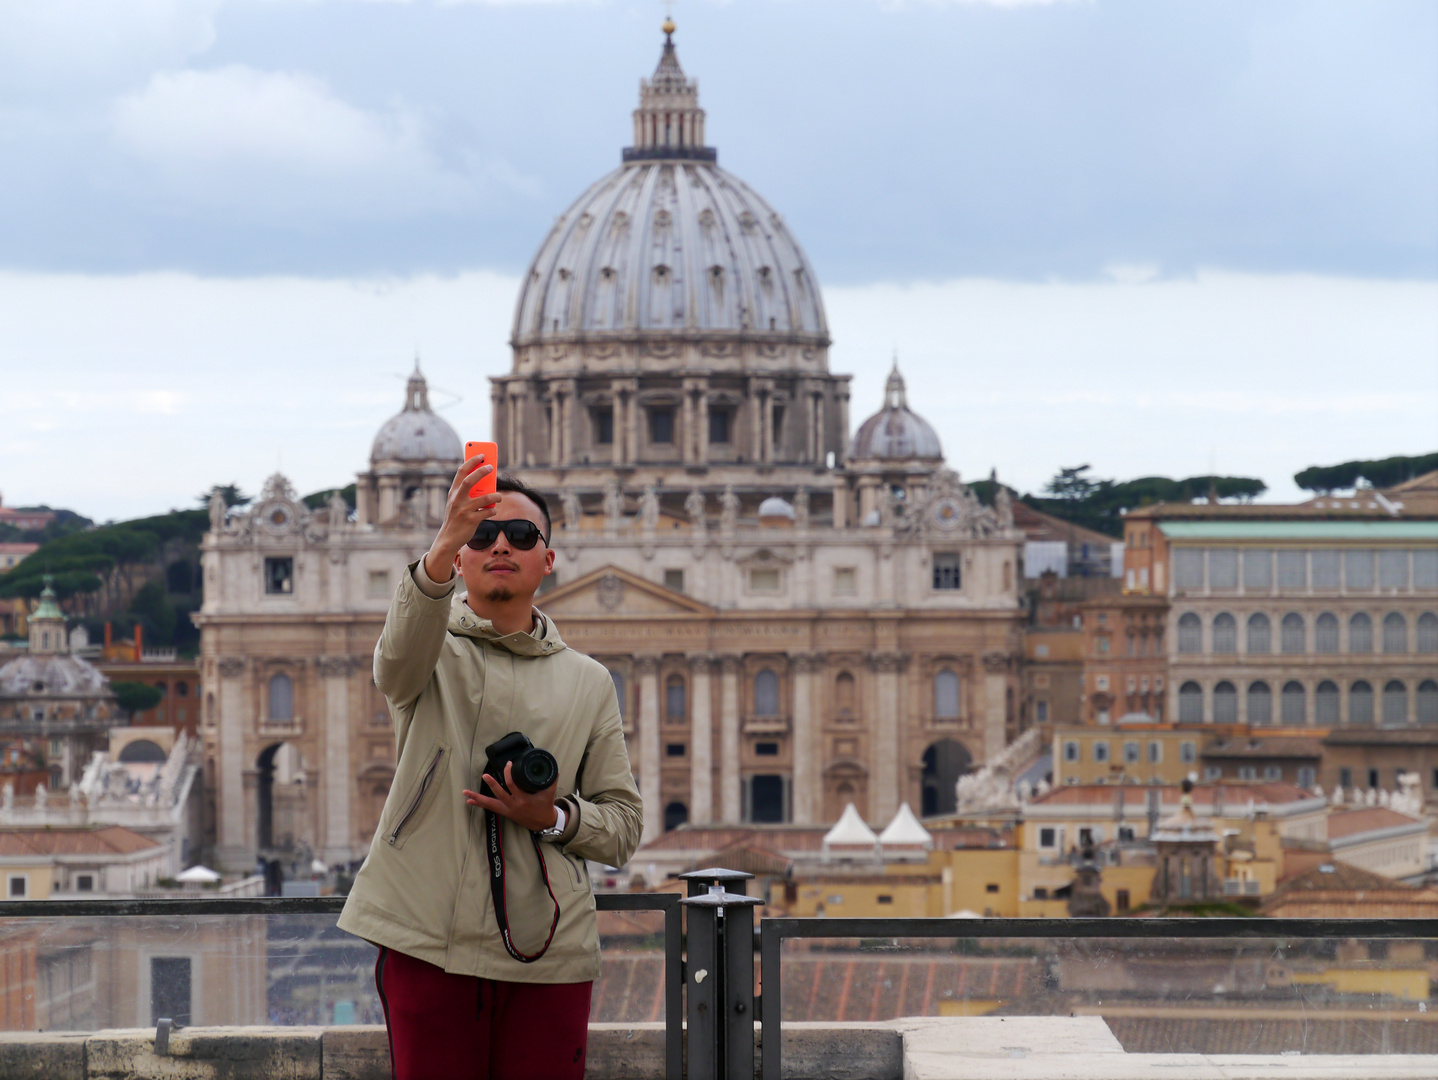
(555, 831)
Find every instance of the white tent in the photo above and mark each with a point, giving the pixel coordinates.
(198, 875)
(906, 832)
(850, 832)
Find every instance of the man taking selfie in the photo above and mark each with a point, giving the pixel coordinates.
(511, 773)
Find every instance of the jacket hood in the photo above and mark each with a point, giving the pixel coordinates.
(543, 641)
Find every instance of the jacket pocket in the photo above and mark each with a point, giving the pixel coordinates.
(417, 799)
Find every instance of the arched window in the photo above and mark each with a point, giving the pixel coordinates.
(766, 693)
(675, 815)
(1260, 703)
(1325, 704)
(1295, 637)
(182, 688)
(1360, 633)
(1225, 633)
(1325, 633)
(1395, 633)
(1190, 703)
(1428, 702)
(1260, 633)
(844, 694)
(675, 706)
(1225, 703)
(1395, 702)
(1293, 704)
(946, 695)
(1360, 703)
(1190, 633)
(1428, 632)
(281, 698)
(619, 688)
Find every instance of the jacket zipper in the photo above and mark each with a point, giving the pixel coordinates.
(418, 796)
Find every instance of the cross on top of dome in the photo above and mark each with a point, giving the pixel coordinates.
(669, 122)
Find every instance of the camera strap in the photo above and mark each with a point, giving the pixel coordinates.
(495, 836)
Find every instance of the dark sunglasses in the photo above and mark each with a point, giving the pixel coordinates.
(522, 534)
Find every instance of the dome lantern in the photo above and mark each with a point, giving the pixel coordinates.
(669, 122)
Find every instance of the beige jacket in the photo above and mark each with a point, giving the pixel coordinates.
(454, 686)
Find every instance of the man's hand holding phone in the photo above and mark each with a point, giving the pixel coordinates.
(463, 512)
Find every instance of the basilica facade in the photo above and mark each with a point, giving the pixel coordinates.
(794, 618)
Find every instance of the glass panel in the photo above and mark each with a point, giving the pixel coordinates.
(1294, 704)
(1225, 633)
(1259, 633)
(1395, 702)
(1222, 568)
(1395, 633)
(1294, 634)
(1325, 633)
(1188, 568)
(1292, 569)
(766, 693)
(1260, 703)
(1257, 568)
(1428, 702)
(1360, 633)
(946, 695)
(1225, 703)
(1325, 704)
(1425, 568)
(1360, 703)
(1190, 703)
(1358, 569)
(1428, 632)
(1190, 633)
(1393, 569)
(1326, 566)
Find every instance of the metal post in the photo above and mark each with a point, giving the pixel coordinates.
(720, 977)
(771, 1000)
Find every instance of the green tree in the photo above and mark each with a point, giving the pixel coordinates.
(151, 608)
(136, 697)
(1382, 472)
(232, 494)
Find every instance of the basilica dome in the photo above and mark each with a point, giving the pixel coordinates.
(669, 243)
(416, 433)
(895, 432)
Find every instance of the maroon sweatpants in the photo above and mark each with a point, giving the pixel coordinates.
(457, 1027)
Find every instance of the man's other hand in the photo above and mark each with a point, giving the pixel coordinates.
(533, 812)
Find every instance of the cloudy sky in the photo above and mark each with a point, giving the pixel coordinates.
(1157, 237)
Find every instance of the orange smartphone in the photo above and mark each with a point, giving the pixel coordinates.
(491, 457)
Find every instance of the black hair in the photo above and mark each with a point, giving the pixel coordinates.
(505, 482)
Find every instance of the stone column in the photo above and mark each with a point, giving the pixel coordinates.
(388, 497)
(756, 413)
(843, 403)
(993, 704)
(729, 741)
(234, 718)
(649, 786)
(701, 436)
(802, 740)
(686, 436)
(701, 740)
(886, 727)
(336, 781)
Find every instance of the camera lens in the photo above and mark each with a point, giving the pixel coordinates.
(536, 770)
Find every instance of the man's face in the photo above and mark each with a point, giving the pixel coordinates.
(503, 572)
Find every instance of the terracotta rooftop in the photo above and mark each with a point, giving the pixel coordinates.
(1342, 877)
(1263, 748)
(1233, 796)
(1343, 823)
(111, 840)
(1037, 525)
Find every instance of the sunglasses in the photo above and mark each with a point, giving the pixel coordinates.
(520, 533)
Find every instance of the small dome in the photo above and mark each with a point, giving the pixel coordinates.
(416, 433)
(775, 507)
(895, 433)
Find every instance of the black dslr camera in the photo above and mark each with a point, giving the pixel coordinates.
(534, 769)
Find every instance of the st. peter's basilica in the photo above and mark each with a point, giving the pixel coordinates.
(794, 619)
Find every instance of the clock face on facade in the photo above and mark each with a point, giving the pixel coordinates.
(277, 517)
(945, 512)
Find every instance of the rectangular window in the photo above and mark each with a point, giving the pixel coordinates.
(1248, 772)
(766, 749)
(1273, 772)
(85, 883)
(1048, 837)
(776, 416)
(1187, 752)
(19, 887)
(1358, 569)
(602, 419)
(846, 581)
(1125, 832)
(946, 570)
(1292, 569)
(884, 898)
(719, 424)
(1326, 569)
(1345, 777)
(674, 580)
(378, 585)
(1188, 568)
(1085, 837)
(764, 579)
(1100, 682)
(280, 577)
(991, 888)
(1131, 753)
(1257, 568)
(1425, 568)
(1222, 568)
(1041, 711)
(1307, 776)
(1122, 899)
(1373, 778)
(1212, 772)
(674, 749)
(766, 799)
(1393, 569)
(661, 426)
(1040, 893)
(1100, 751)
(1071, 751)
(1155, 752)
